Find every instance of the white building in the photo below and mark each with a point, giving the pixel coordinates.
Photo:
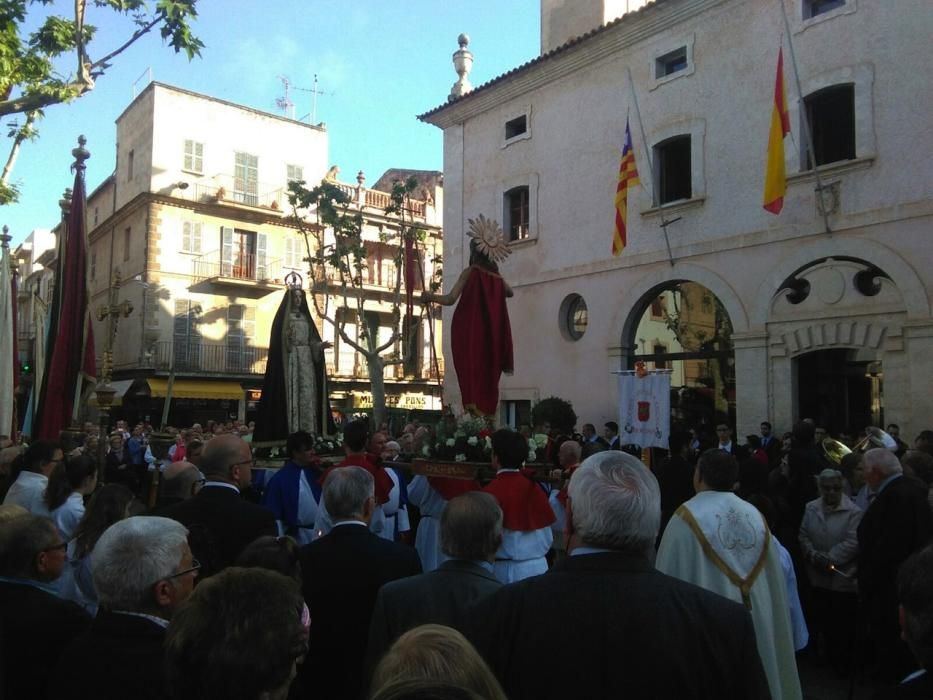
(806, 320)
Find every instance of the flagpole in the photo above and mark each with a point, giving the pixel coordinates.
(805, 122)
(641, 128)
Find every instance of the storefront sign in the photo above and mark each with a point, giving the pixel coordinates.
(407, 401)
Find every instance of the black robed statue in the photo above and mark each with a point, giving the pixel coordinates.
(294, 392)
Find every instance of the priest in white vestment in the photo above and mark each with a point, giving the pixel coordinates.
(722, 543)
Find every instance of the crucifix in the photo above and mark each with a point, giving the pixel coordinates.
(112, 311)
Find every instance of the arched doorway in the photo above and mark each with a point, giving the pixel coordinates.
(840, 389)
(683, 327)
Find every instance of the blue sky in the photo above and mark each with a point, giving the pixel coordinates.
(379, 63)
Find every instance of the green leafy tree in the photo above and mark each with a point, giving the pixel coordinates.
(337, 257)
(29, 78)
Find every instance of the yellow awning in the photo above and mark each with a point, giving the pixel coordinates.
(195, 389)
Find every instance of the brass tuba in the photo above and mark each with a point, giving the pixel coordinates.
(875, 437)
(834, 450)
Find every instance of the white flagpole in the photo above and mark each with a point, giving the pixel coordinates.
(805, 122)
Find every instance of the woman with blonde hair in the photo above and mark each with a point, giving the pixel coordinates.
(439, 654)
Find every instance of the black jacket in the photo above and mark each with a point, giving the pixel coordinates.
(440, 597)
(615, 627)
(119, 657)
(35, 629)
(221, 524)
(342, 573)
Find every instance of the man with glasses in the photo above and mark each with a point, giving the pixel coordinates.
(143, 571)
(35, 624)
(28, 490)
(221, 522)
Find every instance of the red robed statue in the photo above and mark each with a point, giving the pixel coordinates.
(480, 335)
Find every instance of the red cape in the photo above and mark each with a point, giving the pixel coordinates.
(481, 340)
(451, 488)
(524, 505)
(383, 481)
(562, 494)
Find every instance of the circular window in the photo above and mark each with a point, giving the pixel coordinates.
(573, 317)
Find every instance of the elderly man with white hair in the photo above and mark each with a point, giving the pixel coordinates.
(897, 523)
(143, 570)
(624, 628)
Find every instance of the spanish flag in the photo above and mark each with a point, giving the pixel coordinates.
(628, 176)
(775, 180)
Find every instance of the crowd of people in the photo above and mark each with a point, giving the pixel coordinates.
(705, 575)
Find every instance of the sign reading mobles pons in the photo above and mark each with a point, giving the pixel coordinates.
(410, 401)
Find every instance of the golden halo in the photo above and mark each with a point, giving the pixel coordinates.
(490, 240)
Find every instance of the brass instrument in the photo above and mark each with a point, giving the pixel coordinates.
(875, 437)
(834, 450)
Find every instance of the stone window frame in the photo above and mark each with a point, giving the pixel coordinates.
(862, 76)
(530, 181)
(516, 113)
(670, 47)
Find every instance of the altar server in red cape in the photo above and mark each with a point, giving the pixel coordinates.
(526, 513)
(480, 333)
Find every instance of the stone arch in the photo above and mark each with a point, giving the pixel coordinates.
(835, 333)
(647, 286)
(896, 267)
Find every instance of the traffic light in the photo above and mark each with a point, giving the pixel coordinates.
(25, 367)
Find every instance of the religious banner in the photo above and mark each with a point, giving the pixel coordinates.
(645, 409)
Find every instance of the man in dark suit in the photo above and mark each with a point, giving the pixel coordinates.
(221, 523)
(471, 532)
(622, 628)
(915, 592)
(143, 570)
(343, 571)
(726, 444)
(35, 625)
(896, 524)
(770, 444)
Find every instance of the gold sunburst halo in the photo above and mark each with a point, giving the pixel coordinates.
(490, 240)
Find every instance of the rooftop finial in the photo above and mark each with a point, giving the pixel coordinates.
(463, 64)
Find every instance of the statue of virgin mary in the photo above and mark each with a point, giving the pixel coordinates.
(294, 392)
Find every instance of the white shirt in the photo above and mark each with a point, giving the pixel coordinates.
(28, 491)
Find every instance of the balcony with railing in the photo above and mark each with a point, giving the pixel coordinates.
(226, 359)
(251, 274)
(226, 189)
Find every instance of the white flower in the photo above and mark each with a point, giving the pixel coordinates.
(460, 458)
(532, 456)
(451, 442)
(471, 441)
(426, 451)
(488, 442)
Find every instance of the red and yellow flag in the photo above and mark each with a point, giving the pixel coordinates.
(775, 180)
(628, 176)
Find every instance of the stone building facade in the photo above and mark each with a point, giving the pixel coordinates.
(824, 317)
(196, 219)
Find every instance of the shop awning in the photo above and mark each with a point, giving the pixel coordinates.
(121, 386)
(195, 389)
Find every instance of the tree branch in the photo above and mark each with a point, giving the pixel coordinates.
(14, 151)
(145, 29)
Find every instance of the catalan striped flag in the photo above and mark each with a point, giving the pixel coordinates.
(628, 176)
(775, 179)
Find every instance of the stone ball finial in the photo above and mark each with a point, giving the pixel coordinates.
(463, 63)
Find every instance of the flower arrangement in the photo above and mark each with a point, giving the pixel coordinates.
(464, 440)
